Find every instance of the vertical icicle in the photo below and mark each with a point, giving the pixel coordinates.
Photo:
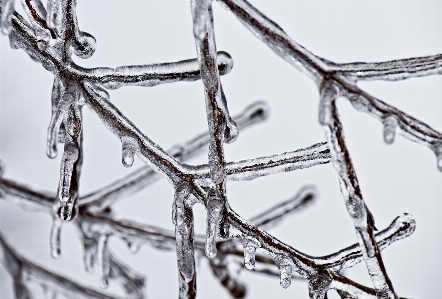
(55, 238)
(103, 261)
(215, 207)
(129, 148)
(250, 245)
(90, 253)
(318, 286)
(285, 266)
(390, 124)
(7, 11)
(66, 201)
(53, 7)
(182, 218)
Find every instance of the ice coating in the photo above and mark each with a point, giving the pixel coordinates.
(403, 226)
(51, 43)
(358, 211)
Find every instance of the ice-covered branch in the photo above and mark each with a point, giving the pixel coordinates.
(358, 211)
(392, 70)
(24, 272)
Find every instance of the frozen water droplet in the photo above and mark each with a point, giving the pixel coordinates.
(250, 245)
(85, 46)
(390, 124)
(285, 267)
(130, 147)
(103, 261)
(6, 17)
(52, 13)
(55, 238)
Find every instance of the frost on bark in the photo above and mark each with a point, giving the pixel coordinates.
(52, 34)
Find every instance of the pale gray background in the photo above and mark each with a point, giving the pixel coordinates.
(394, 178)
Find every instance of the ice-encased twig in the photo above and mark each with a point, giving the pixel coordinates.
(23, 272)
(356, 207)
(182, 218)
(222, 128)
(159, 238)
(246, 170)
(392, 70)
(142, 75)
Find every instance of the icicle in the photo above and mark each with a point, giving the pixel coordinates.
(67, 209)
(55, 238)
(390, 124)
(7, 11)
(285, 267)
(214, 209)
(90, 253)
(53, 7)
(318, 286)
(103, 261)
(130, 147)
(250, 245)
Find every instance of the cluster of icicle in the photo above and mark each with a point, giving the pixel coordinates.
(51, 35)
